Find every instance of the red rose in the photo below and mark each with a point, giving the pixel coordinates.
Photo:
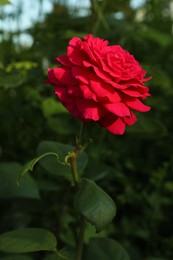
(100, 83)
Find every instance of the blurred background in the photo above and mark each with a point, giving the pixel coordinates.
(135, 169)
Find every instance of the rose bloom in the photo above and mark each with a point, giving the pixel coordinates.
(101, 83)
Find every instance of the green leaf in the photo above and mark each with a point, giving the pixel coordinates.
(155, 258)
(9, 172)
(4, 2)
(16, 257)
(90, 232)
(148, 33)
(27, 240)
(169, 186)
(48, 184)
(54, 257)
(21, 65)
(51, 165)
(94, 204)
(30, 165)
(96, 171)
(52, 107)
(105, 249)
(67, 253)
(63, 254)
(11, 80)
(60, 125)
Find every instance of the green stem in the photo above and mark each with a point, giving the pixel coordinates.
(76, 181)
(81, 238)
(74, 156)
(82, 219)
(79, 141)
(74, 171)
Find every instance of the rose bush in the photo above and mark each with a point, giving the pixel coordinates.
(101, 83)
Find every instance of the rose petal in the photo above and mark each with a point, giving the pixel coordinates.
(132, 93)
(51, 77)
(105, 77)
(81, 74)
(61, 92)
(130, 120)
(113, 72)
(75, 41)
(68, 101)
(86, 48)
(136, 104)
(64, 60)
(96, 41)
(104, 92)
(86, 92)
(89, 109)
(74, 52)
(64, 75)
(74, 91)
(118, 109)
(147, 79)
(94, 47)
(115, 126)
(71, 107)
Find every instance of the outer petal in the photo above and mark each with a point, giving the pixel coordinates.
(132, 93)
(118, 127)
(89, 109)
(51, 78)
(64, 97)
(64, 75)
(115, 125)
(136, 104)
(130, 120)
(64, 60)
(71, 107)
(68, 101)
(74, 52)
(118, 108)
(75, 42)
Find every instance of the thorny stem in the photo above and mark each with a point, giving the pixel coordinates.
(74, 155)
(76, 181)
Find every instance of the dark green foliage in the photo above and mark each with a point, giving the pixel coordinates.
(27, 240)
(135, 169)
(105, 249)
(94, 204)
